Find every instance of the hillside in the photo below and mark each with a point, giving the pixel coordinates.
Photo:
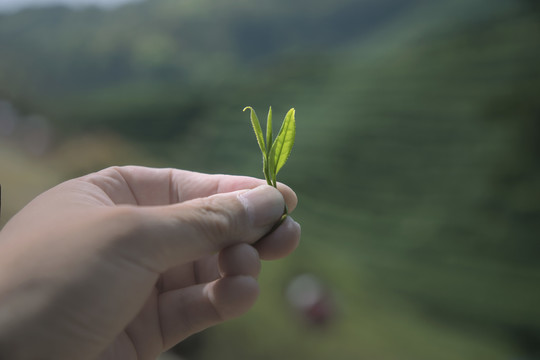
(415, 164)
(61, 60)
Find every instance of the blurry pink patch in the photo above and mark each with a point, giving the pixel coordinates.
(311, 300)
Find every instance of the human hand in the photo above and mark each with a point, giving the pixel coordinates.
(126, 262)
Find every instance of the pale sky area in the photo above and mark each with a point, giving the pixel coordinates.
(12, 5)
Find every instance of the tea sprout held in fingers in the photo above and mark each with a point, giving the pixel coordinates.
(275, 152)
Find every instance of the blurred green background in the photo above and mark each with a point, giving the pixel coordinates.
(416, 161)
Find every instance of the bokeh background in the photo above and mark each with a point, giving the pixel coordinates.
(416, 161)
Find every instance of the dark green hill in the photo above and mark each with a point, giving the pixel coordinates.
(155, 54)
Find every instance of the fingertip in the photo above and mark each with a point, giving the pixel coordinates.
(240, 259)
(281, 242)
(289, 195)
(233, 296)
(263, 205)
(183, 312)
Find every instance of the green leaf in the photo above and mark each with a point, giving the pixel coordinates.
(258, 131)
(270, 163)
(282, 146)
(269, 135)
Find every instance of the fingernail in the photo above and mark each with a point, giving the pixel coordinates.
(264, 205)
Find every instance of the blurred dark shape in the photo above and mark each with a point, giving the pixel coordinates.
(8, 119)
(532, 5)
(527, 339)
(311, 300)
(33, 133)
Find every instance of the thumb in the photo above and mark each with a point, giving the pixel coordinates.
(190, 230)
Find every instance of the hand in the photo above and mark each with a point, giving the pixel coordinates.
(126, 262)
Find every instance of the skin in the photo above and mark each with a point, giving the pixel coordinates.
(127, 262)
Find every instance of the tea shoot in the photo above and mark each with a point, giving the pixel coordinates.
(275, 152)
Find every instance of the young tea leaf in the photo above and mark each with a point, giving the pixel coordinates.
(282, 146)
(260, 140)
(258, 131)
(269, 135)
(270, 164)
